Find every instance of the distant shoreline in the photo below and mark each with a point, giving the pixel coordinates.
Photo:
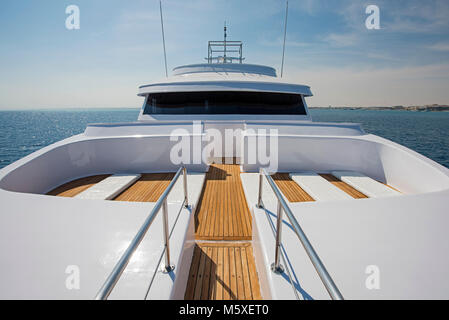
(428, 108)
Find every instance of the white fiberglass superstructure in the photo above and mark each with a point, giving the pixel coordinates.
(109, 214)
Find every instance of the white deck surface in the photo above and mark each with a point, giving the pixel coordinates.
(319, 188)
(135, 280)
(110, 187)
(365, 185)
(90, 236)
(306, 282)
(403, 238)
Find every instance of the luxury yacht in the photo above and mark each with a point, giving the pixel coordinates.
(224, 188)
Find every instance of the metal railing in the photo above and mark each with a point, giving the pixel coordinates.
(120, 266)
(276, 267)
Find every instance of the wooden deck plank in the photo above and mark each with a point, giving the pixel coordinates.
(233, 211)
(214, 207)
(226, 283)
(199, 277)
(241, 219)
(255, 286)
(213, 278)
(192, 274)
(73, 188)
(219, 281)
(222, 212)
(239, 274)
(344, 186)
(292, 191)
(223, 244)
(221, 205)
(233, 274)
(226, 211)
(205, 294)
(204, 215)
(244, 204)
(245, 274)
(223, 271)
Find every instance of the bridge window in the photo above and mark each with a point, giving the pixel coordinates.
(225, 102)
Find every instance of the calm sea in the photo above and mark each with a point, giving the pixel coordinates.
(23, 132)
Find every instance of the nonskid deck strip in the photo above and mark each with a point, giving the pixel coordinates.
(222, 212)
(223, 271)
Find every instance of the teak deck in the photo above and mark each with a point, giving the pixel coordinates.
(222, 212)
(344, 186)
(223, 271)
(292, 191)
(148, 188)
(73, 188)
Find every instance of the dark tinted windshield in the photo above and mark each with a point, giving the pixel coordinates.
(225, 103)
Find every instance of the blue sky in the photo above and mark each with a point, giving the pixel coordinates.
(119, 47)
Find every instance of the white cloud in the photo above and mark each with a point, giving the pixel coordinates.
(419, 16)
(440, 47)
(341, 40)
(291, 41)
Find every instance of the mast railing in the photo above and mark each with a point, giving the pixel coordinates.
(225, 47)
(120, 266)
(282, 207)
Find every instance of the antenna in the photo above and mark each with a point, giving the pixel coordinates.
(225, 36)
(163, 39)
(285, 37)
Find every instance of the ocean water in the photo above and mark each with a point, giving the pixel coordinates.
(23, 132)
(424, 132)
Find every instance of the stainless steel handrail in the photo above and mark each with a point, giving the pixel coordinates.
(314, 258)
(120, 266)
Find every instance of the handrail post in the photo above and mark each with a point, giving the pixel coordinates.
(168, 267)
(276, 267)
(259, 201)
(186, 197)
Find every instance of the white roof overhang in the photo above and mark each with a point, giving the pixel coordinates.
(205, 86)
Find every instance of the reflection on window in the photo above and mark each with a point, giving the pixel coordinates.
(228, 102)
